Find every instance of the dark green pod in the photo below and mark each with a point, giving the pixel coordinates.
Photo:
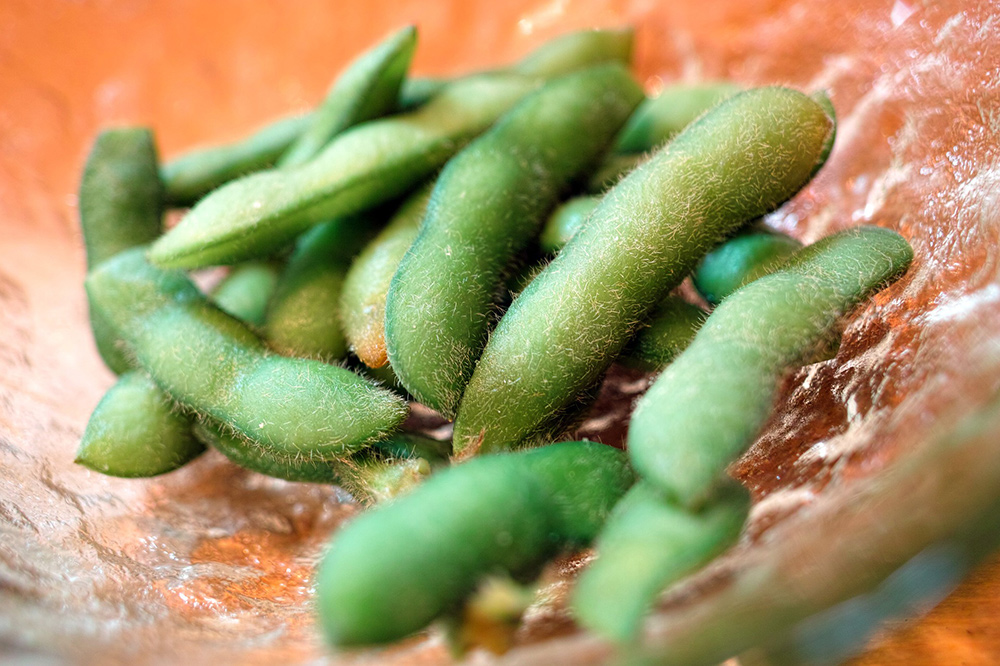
(394, 570)
(246, 290)
(750, 254)
(565, 221)
(487, 205)
(367, 88)
(214, 365)
(120, 204)
(705, 409)
(136, 431)
(367, 165)
(738, 161)
(362, 302)
(670, 329)
(194, 174)
(646, 545)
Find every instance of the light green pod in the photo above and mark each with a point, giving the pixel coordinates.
(750, 254)
(487, 205)
(214, 365)
(194, 174)
(120, 205)
(246, 290)
(303, 315)
(565, 221)
(737, 162)
(392, 571)
(646, 545)
(577, 50)
(558, 56)
(367, 165)
(136, 431)
(705, 409)
(362, 302)
(661, 118)
(668, 331)
(366, 89)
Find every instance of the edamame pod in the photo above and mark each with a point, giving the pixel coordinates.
(136, 431)
(487, 205)
(706, 407)
(661, 118)
(393, 570)
(668, 332)
(750, 254)
(389, 468)
(245, 291)
(738, 161)
(646, 545)
(577, 50)
(303, 315)
(120, 207)
(362, 302)
(214, 365)
(565, 221)
(194, 174)
(369, 164)
(366, 89)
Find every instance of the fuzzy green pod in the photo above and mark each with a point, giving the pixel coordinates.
(246, 290)
(136, 431)
(362, 302)
(370, 164)
(394, 570)
(750, 254)
(487, 205)
(668, 331)
(367, 88)
(303, 315)
(646, 545)
(194, 174)
(389, 468)
(740, 160)
(120, 205)
(214, 365)
(661, 118)
(577, 50)
(707, 406)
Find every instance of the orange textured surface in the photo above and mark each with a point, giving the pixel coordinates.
(212, 562)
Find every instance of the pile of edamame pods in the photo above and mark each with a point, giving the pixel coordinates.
(486, 245)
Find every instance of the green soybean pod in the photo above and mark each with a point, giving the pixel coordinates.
(578, 50)
(706, 407)
(558, 56)
(738, 161)
(366, 89)
(136, 431)
(194, 174)
(661, 118)
(246, 290)
(303, 315)
(369, 164)
(388, 469)
(487, 205)
(394, 570)
(362, 302)
(214, 365)
(668, 331)
(565, 221)
(646, 545)
(120, 204)
(750, 254)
